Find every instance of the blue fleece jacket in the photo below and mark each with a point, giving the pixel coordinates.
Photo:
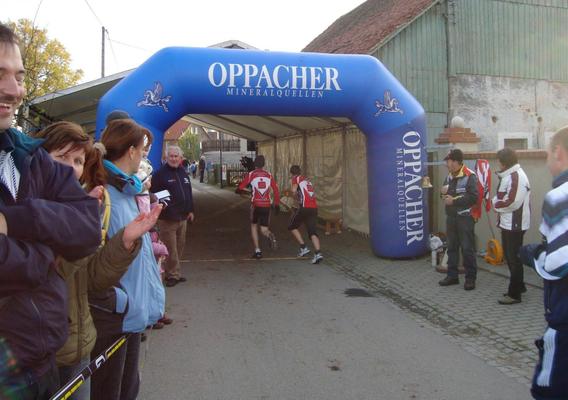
(139, 299)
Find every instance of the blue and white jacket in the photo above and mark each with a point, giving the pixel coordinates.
(139, 299)
(551, 262)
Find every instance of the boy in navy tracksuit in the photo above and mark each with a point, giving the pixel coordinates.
(550, 259)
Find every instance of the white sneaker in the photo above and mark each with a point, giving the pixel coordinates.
(303, 251)
(317, 258)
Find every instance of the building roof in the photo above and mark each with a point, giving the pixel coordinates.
(175, 131)
(234, 44)
(367, 26)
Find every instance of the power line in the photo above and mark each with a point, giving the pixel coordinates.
(93, 12)
(111, 48)
(37, 12)
(29, 45)
(111, 41)
(129, 45)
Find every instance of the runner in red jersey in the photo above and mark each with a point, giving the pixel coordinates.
(306, 213)
(261, 182)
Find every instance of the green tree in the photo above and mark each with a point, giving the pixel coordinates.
(47, 62)
(189, 144)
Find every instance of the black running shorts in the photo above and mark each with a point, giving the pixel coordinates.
(260, 215)
(307, 216)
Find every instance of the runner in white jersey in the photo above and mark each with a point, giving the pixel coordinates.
(306, 213)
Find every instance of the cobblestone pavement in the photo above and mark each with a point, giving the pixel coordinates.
(501, 335)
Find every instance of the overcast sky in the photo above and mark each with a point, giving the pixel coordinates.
(139, 28)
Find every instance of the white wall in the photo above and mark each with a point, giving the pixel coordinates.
(500, 107)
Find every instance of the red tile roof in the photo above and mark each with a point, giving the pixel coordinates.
(175, 131)
(365, 27)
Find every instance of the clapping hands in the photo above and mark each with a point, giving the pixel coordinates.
(139, 226)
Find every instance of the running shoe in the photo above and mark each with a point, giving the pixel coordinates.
(257, 255)
(303, 251)
(317, 258)
(272, 241)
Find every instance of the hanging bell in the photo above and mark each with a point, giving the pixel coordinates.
(426, 184)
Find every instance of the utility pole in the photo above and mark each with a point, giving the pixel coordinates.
(103, 30)
(221, 159)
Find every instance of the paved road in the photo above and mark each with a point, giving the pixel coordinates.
(284, 329)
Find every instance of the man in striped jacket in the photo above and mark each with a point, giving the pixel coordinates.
(513, 209)
(550, 259)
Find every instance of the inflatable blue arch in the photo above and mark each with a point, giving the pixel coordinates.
(178, 81)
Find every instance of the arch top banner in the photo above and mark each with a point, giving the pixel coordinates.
(178, 81)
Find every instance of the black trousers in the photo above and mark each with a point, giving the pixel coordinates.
(460, 232)
(512, 242)
(118, 378)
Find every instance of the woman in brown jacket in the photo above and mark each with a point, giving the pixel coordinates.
(67, 143)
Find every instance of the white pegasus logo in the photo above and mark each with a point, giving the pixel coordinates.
(390, 105)
(153, 98)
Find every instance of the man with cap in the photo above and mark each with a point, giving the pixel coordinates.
(459, 195)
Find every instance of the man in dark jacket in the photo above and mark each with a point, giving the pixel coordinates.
(172, 224)
(43, 213)
(460, 194)
(201, 169)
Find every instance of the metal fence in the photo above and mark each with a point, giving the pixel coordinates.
(215, 145)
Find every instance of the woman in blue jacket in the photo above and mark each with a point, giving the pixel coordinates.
(138, 300)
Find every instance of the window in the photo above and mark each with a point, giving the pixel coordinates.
(515, 140)
(516, 144)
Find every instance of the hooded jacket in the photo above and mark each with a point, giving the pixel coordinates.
(138, 300)
(512, 201)
(52, 215)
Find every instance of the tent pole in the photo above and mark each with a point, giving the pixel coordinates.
(275, 165)
(221, 160)
(304, 155)
(343, 175)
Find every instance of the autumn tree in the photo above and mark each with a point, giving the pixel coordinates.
(47, 62)
(189, 144)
